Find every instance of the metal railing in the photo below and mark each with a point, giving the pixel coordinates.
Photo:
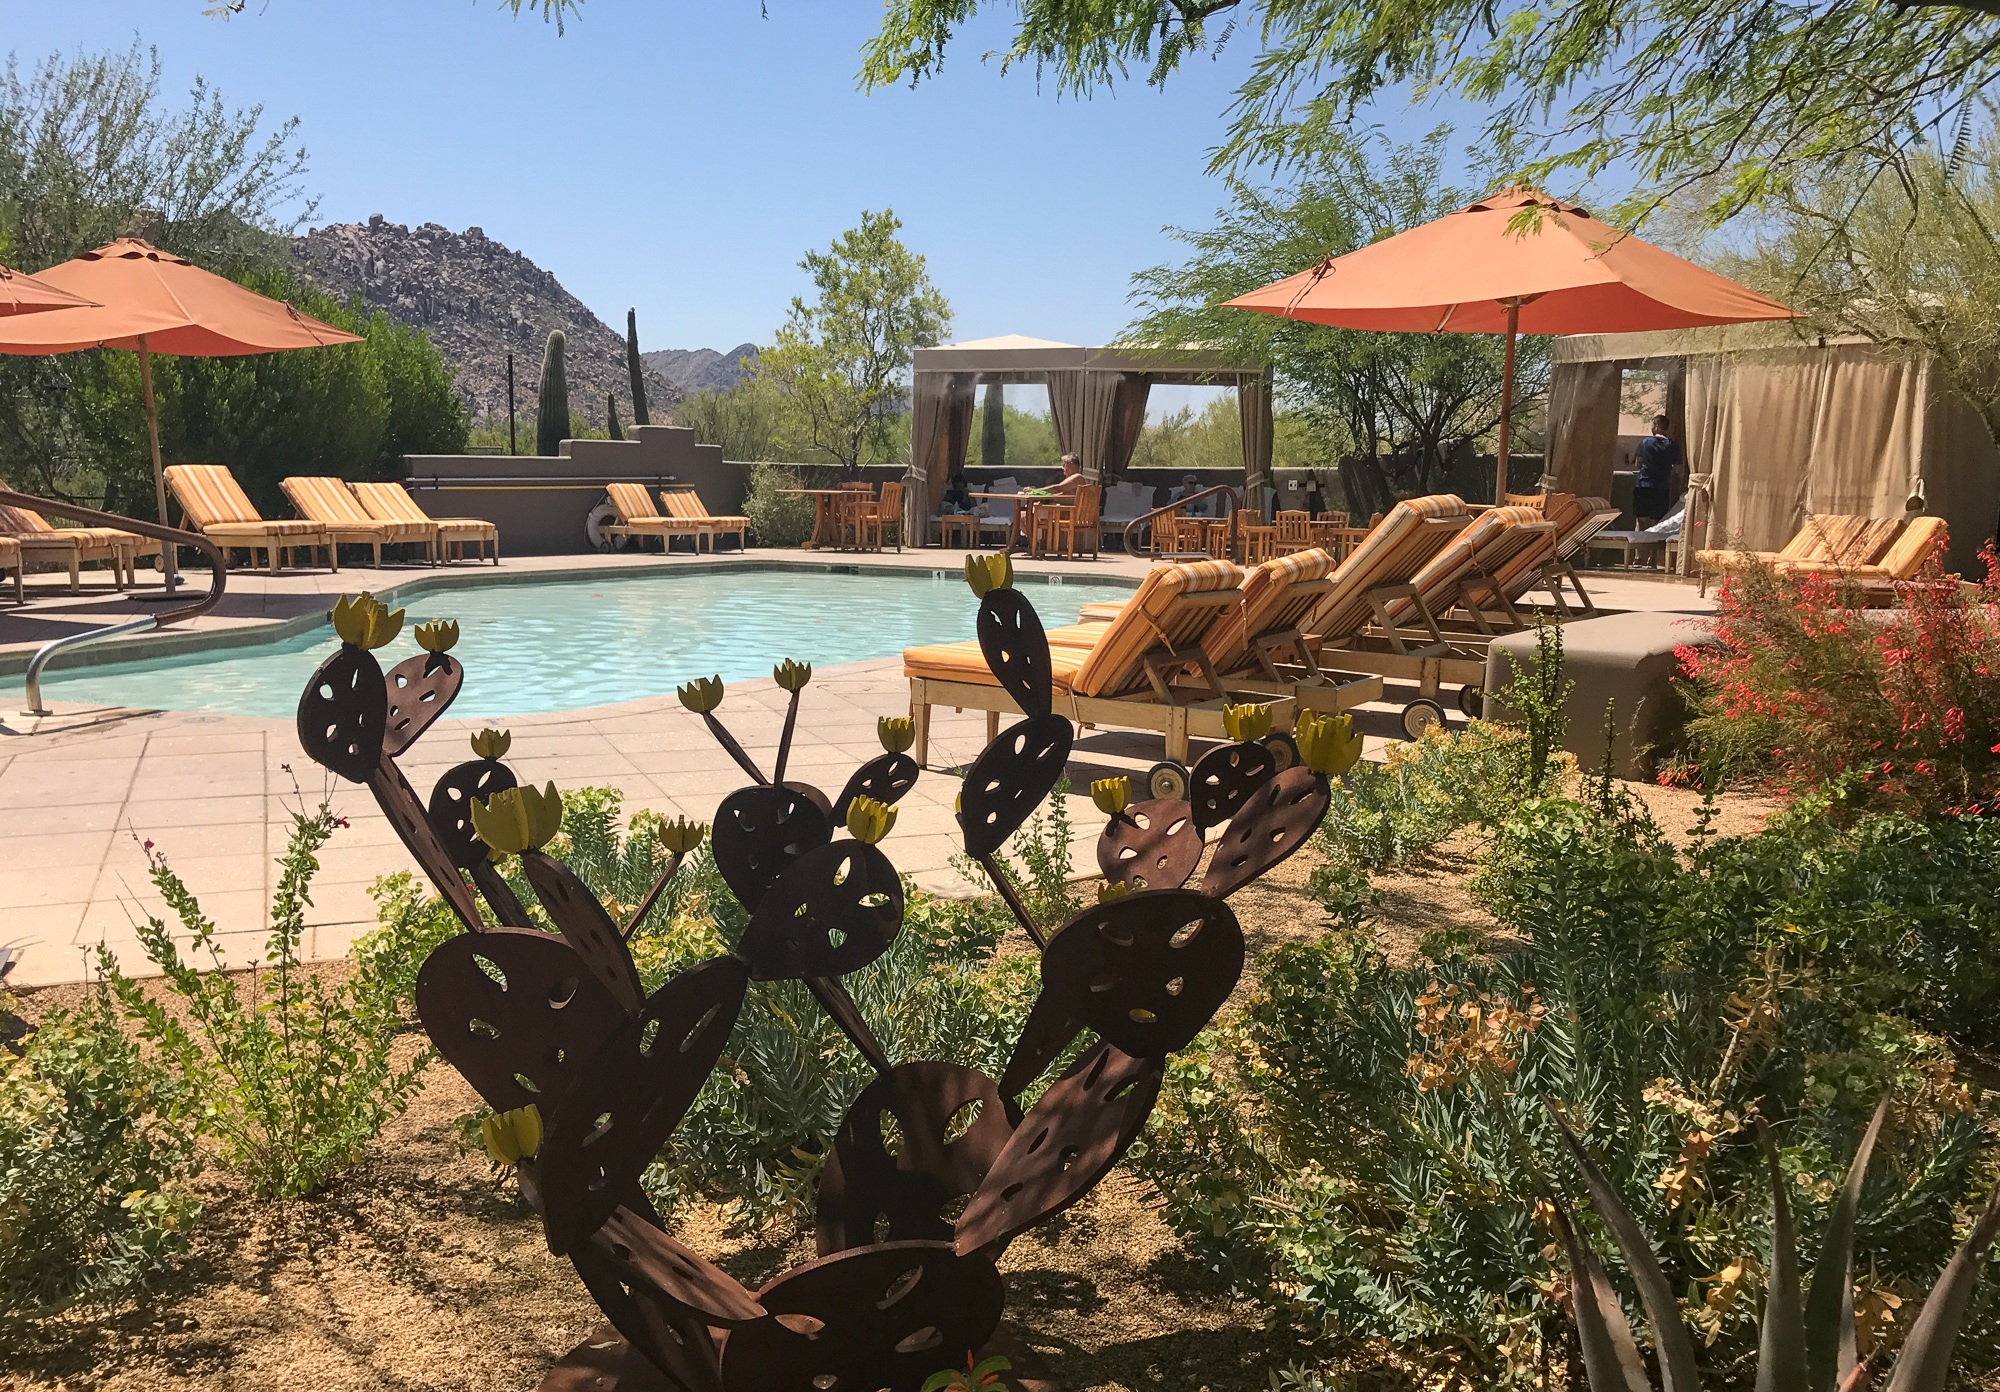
(1235, 511)
(168, 536)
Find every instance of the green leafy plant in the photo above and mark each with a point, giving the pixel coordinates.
(289, 1074)
(1539, 693)
(1382, 815)
(777, 517)
(985, 1373)
(94, 1169)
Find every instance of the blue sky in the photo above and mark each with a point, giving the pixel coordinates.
(680, 155)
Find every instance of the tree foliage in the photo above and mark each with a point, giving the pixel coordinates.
(1760, 91)
(1412, 399)
(839, 367)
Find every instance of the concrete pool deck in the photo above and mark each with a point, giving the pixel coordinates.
(83, 790)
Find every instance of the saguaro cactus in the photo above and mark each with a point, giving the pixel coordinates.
(636, 368)
(611, 427)
(993, 427)
(552, 410)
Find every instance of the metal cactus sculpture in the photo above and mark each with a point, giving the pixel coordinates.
(588, 1075)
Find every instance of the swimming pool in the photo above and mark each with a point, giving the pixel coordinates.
(559, 645)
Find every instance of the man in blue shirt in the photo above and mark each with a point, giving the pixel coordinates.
(1653, 490)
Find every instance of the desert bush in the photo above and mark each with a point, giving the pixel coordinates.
(1382, 815)
(776, 518)
(290, 1075)
(1363, 1148)
(1808, 688)
(93, 1169)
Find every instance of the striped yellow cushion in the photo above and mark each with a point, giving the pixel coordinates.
(1270, 605)
(209, 494)
(1392, 553)
(632, 503)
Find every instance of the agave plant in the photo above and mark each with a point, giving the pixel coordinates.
(1807, 1343)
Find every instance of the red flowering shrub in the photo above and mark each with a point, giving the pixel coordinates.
(1900, 707)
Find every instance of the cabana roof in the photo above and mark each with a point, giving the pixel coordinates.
(1016, 358)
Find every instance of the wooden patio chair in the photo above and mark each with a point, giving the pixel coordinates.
(685, 502)
(391, 502)
(36, 540)
(217, 507)
(879, 514)
(1292, 531)
(637, 517)
(1078, 522)
(324, 499)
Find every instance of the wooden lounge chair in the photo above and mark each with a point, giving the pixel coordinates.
(1465, 575)
(217, 507)
(1577, 519)
(1827, 542)
(1129, 673)
(36, 540)
(685, 502)
(1902, 561)
(637, 517)
(10, 559)
(391, 502)
(325, 500)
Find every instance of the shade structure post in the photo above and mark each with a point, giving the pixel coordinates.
(1506, 405)
(159, 469)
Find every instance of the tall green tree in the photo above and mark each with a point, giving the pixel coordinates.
(839, 368)
(1408, 400)
(1731, 99)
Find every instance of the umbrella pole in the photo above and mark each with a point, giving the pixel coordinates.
(159, 470)
(1506, 404)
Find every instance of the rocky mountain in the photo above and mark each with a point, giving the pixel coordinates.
(480, 300)
(696, 370)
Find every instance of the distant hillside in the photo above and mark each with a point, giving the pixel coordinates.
(479, 300)
(696, 370)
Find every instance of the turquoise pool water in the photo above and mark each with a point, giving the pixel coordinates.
(560, 645)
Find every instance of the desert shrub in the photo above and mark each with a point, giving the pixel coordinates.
(1384, 814)
(776, 518)
(93, 1170)
(290, 1074)
(1807, 688)
(1039, 861)
(1362, 1149)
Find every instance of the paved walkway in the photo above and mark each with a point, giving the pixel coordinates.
(85, 789)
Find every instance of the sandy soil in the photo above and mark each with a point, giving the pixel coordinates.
(420, 1273)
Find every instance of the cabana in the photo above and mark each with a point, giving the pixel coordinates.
(1777, 427)
(1097, 397)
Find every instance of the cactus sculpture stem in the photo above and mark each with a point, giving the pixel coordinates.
(785, 739)
(735, 750)
(500, 896)
(1013, 898)
(653, 895)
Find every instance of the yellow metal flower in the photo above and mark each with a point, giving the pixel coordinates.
(994, 572)
(1247, 723)
(364, 621)
(701, 695)
(1112, 795)
(1328, 744)
(514, 820)
(897, 732)
(1110, 890)
(869, 820)
(681, 835)
(792, 676)
(439, 635)
(492, 744)
(512, 1137)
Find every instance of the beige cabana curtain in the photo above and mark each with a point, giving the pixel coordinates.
(1583, 427)
(1253, 401)
(940, 432)
(1128, 418)
(1084, 406)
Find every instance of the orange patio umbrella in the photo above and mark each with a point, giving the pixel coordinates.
(1472, 272)
(152, 301)
(23, 294)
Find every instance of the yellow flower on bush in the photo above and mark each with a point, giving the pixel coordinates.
(681, 835)
(492, 744)
(512, 1137)
(701, 695)
(1247, 723)
(869, 820)
(792, 676)
(897, 732)
(1112, 795)
(364, 621)
(1328, 744)
(514, 820)
(994, 572)
(439, 635)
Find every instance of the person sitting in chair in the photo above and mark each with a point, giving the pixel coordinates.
(1190, 485)
(1659, 457)
(957, 496)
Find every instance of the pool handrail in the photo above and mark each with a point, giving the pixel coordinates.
(170, 536)
(1235, 507)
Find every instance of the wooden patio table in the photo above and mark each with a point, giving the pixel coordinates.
(826, 515)
(1030, 504)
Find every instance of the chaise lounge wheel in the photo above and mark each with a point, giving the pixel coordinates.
(1167, 779)
(1420, 715)
(1284, 751)
(1471, 701)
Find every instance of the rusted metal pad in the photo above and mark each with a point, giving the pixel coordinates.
(1279, 818)
(606, 1362)
(646, 1257)
(759, 831)
(1016, 649)
(399, 803)
(343, 713)
(886, 778)
(673, 1338)
(875, 1319)
(1150, 845)
(630, 1095)
(419, 688)
(1146, 970)
(1068, 1141)
(516, 1013)
(1223, 779)
(585, 926)
(835, 910)
(1047, 1031)
(916, 1140)
(1010, 778)
(450, 807)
